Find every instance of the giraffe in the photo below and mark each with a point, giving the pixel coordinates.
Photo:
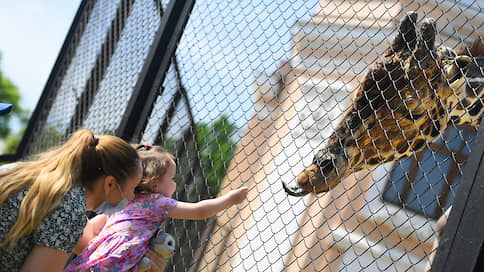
(405, 101)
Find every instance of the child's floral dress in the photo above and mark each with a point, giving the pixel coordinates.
(125, 237)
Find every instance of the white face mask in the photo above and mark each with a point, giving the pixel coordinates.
(108, 209)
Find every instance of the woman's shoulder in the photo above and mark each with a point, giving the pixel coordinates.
(74, 201)
(59, 229)
(73, 205)
(63, 226)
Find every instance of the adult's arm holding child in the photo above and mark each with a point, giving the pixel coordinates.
(91, 230)
(207, 208)
(46, 259)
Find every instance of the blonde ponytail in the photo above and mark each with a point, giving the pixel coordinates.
(81, 160)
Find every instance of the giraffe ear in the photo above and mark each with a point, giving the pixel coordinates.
(426, 38)
(407, 35)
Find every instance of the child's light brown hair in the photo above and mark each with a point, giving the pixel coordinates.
(154, 161)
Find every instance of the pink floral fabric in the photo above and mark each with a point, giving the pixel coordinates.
(125, 237)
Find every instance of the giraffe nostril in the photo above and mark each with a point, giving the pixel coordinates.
(462, 62)
(327, 166)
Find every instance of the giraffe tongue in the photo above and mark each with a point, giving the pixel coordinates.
(294, 191)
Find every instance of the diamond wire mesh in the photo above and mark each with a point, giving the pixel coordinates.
(118, 83)
(253, 92)
(76, 75)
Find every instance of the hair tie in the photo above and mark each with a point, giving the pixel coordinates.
(145, 146)
(95, 140)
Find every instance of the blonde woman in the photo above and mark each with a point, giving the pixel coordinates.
(43, 202)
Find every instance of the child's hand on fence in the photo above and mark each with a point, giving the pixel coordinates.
(238, 195)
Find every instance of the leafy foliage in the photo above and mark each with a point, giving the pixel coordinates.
(9, 93)
(204, 162)
(216, 150)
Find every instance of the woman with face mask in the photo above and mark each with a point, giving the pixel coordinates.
(43, 202)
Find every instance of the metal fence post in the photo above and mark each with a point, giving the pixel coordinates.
(102, 62)
(462, 239)
(153, 73)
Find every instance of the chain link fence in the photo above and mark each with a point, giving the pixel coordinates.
(252, 91)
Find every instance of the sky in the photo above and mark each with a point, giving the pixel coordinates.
(31, 35)
(37, 29)
(226, 44)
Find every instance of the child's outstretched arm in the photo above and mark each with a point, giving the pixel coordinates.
(207, 208)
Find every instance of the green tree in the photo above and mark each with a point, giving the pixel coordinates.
(216, 150)
(9, 93)
(202, 159)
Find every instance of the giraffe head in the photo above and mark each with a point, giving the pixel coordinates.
(400, 106)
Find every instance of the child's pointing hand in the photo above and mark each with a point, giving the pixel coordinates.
(238, 195)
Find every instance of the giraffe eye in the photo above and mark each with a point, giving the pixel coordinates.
(410, 98)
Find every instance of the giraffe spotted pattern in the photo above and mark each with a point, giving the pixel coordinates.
(405, 101)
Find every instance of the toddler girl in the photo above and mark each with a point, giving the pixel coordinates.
(125, 237)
